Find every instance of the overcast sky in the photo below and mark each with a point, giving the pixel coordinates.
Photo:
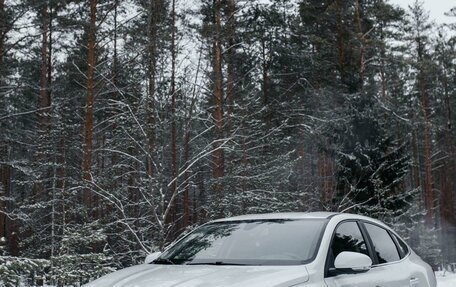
(437, 8)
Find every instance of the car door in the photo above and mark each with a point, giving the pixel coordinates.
(389, 258)
(351, 236)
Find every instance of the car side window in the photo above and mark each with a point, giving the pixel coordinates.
(401, 246)
(348, 237)
(384, 246)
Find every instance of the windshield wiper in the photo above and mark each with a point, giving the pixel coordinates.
(163, 261)
(217, 263)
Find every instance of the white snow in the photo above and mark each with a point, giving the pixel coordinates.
(447, 279)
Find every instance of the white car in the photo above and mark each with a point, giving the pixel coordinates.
(282, 250)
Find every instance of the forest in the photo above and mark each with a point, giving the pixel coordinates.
(126, 123)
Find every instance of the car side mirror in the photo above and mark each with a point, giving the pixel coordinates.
(354, 261)
(151, 257)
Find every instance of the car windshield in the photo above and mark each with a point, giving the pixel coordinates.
(253, 242)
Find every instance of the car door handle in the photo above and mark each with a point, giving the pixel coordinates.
(414, 282)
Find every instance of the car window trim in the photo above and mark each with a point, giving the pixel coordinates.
(370, 243)
(397, 240)
(401, 255)
(398, 237)
(376, 263)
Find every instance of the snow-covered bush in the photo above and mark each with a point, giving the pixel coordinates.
(79, 268)
(14, 270)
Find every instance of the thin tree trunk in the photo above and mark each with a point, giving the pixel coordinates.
(172, 216)
(361, 36)
(132, 190)
(4, 188)
(61, 165)
(2, 32)
(266, 84)
(245, 164)
(218, 153)
(44, 101)
(383, 79)
(154, 18)
(88, 119)
(115, 75)
(8, 227)
(416, 176)
(186, 201)
(231, 62)
(114, 60)
(49, 69)
(428, 180)
(340, 39)
(3, 145)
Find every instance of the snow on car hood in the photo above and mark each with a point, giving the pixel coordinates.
(152, 275)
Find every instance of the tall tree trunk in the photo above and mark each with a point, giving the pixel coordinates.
(115, 95)
(153, 20)
(383, 79)
(218, 153)
(245, 165)
(340, 38)
(8, 227)
(361, 39)
(266, 81)
(428, 180)
(114, 57)
(172, 217)
(231, 79)
(44, 104)
(88, 119)
(49, 69)
(2, 33)
(3, 146)
(44, 101)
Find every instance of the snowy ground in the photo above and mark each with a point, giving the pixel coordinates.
(446, 280)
